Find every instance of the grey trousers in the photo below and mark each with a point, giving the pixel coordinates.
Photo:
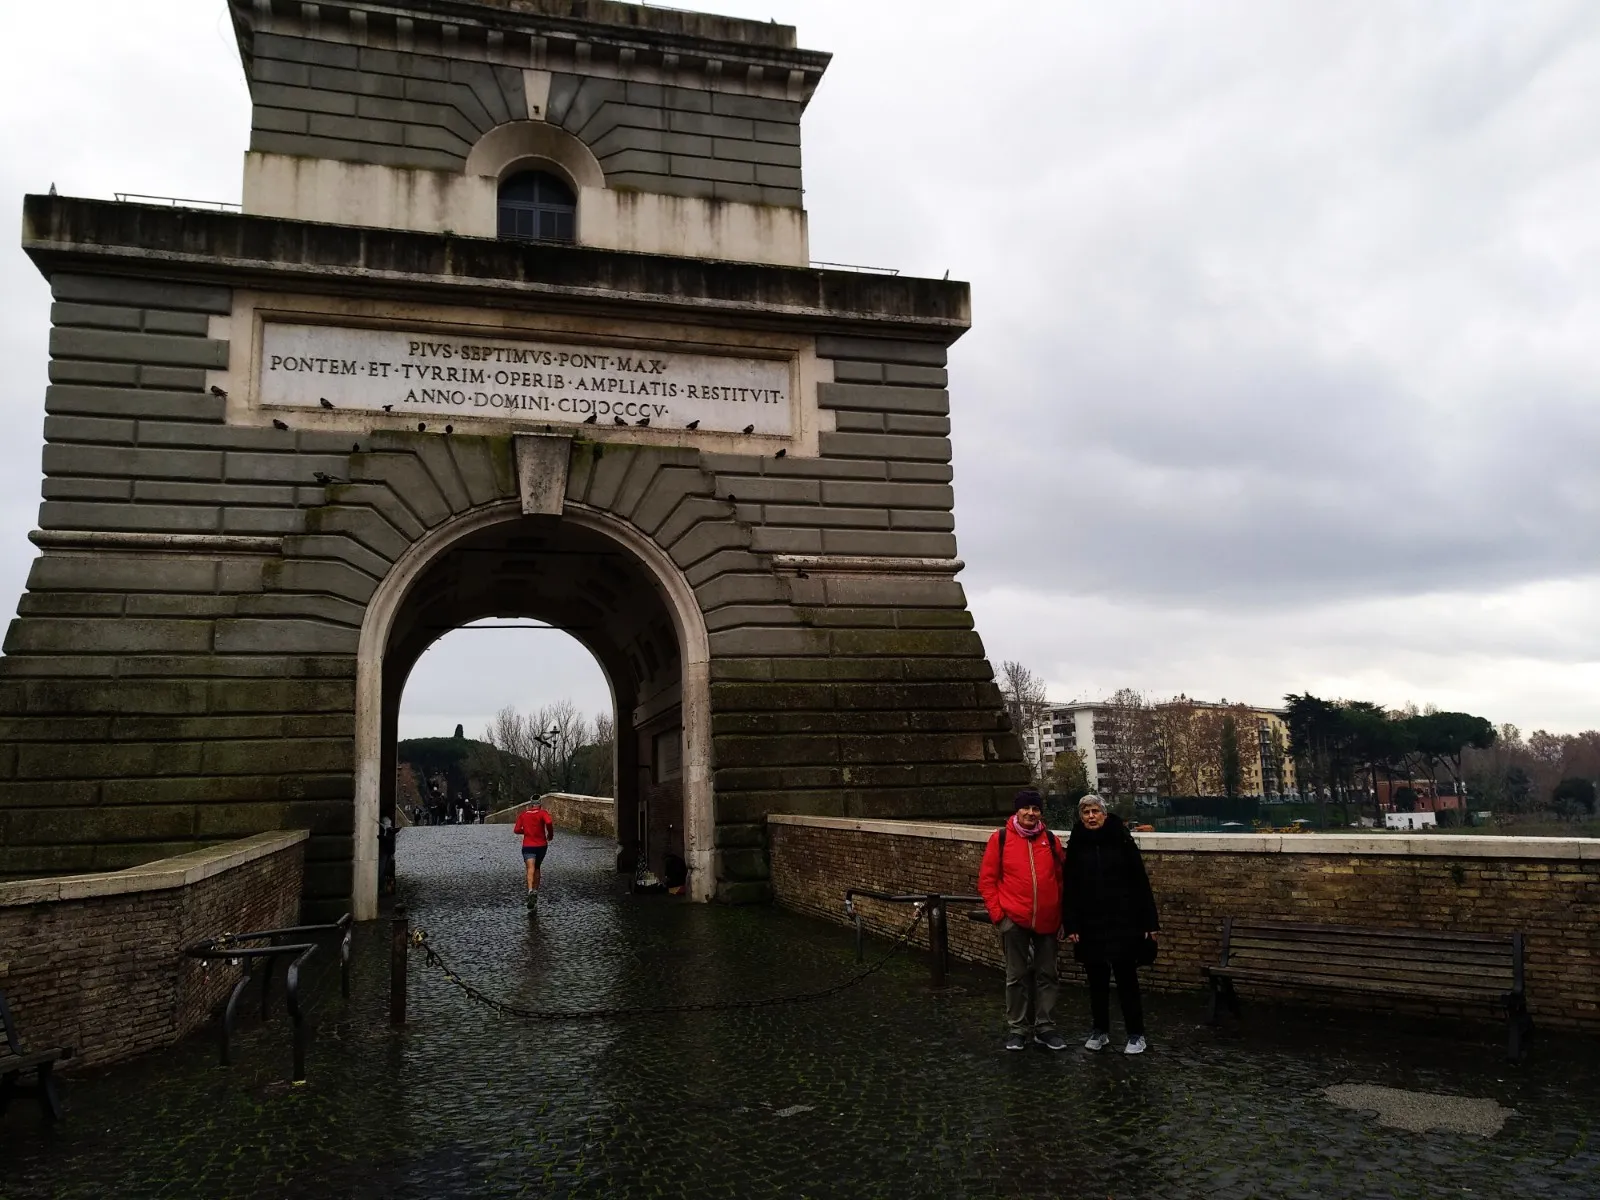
(1031, 979)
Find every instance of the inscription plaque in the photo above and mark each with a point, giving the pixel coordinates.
(539, 382)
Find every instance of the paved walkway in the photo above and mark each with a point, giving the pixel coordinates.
(886, 1091)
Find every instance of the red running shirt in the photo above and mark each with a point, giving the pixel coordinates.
(535, 825)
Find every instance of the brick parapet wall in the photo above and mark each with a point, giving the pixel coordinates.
(592, 815)
(1546, 888)
(96, 962)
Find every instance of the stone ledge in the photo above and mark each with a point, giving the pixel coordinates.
(159, 543)
(865, 564)
(1431, 845)
(163, 874)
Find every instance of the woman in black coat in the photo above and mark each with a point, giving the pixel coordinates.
(1110, 918)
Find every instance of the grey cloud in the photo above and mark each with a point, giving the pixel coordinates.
(1281, 310)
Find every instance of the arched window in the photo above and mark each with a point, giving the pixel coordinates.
(537, 207)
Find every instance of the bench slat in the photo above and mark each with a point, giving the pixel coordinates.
(1350, 984)
(1358, 931)
(1471, 950)
(1346, 956)
(1437, 974)
(1375, 953)
(11, 1063)
(1379, 949)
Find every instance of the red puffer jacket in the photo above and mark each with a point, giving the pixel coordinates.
(1027, 886)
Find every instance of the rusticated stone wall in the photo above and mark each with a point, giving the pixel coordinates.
(182, 666)
(1547, 888)
(95, 962)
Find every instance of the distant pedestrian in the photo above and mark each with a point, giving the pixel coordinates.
(1020, 881)
(538, 829)
(1110, 918)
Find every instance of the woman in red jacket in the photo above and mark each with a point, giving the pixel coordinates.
(1021, 885)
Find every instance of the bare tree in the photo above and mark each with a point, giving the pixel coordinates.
(1026, 703)
(566, 730)
(538, 752)
(605, 740)
(1126, 745)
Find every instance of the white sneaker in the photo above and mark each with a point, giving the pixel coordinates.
(1097, 1041)
(1135, 1046)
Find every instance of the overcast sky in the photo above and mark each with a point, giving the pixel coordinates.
(1285, 365)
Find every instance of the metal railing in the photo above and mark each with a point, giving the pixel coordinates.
(934, 904)
(232, 948)
(833, 266)
(176, 202)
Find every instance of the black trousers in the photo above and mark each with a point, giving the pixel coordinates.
(1127, 974)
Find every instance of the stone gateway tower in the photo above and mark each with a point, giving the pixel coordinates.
(517, 320)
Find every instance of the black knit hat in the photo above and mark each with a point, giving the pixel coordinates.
(1027, 798)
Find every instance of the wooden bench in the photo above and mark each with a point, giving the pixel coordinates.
(1419, 964)
(16, 1062)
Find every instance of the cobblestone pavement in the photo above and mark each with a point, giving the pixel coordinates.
(888, 1090)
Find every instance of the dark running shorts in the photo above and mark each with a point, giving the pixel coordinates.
(536, 853)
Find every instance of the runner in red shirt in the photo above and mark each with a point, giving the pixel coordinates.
(537, 828)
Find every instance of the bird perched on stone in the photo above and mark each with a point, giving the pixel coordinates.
(591, 418)
(421, 426)
(322, 477)
(749, 428)
(780, 453)
(449, 428)
(694, 424)
(356, 449)
(277, 424)
(218, 392)
(388, 408)
(642, 421)
(732, 499)
(325, 402)
(618, 421)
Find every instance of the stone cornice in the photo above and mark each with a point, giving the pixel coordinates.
(589, 37)
(162, 875)
(65, 234)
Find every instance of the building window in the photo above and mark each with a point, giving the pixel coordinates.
(535, 206)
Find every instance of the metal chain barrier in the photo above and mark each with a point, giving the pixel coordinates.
(419, 939)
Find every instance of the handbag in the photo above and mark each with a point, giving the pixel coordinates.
(1147, 952)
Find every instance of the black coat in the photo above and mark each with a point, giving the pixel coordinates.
(1109, 904)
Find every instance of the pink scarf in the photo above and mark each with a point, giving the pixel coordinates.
(1027, 833)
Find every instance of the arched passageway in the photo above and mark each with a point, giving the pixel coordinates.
(593, 577)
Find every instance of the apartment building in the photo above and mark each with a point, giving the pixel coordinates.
(1169, 748)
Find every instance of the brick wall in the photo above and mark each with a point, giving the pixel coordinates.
(96, 963)
(1547, 888)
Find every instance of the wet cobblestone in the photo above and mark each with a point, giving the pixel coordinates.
(889, 1090)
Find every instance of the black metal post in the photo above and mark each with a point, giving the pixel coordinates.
(231, 1013)
(938, 938)
(291, 993)
(344, 960)
(399, 948)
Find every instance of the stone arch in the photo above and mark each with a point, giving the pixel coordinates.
(535, 145)
(394, 612)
